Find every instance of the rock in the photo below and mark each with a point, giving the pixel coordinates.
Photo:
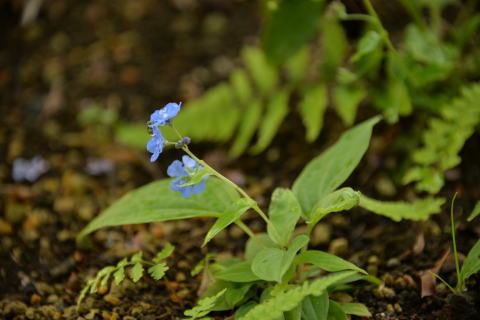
(180, 276)
(372, 269)
(390, 308)
(384, 292)
(374, 260)
(397, 308)
(111, 299)
(49, 311)
(136, 311)
(338, 246)
(35, 299)
(393, 262)
(70, 312)
(30, 313)
(321, 234)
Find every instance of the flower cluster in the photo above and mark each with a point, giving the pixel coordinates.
(183, 170)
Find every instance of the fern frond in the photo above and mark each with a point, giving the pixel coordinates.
(444, 139)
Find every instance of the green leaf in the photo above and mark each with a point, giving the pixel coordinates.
(137, 257)
(291, 298)
(289, 27)
(241, 86)
(203, 307)
(326, 261)
(234, 295)
(397, 210)
(475, 212)
(277, 109)
(264, 75)
(133, 135)
(347, 99)
(158, 202)
(231, 215)
(165, 253)
(158, 271)
(356, 309)
(334, 45)
(257, 243)
(248, 125)
(294, 314)
(471, 264)
(298, 65)
(119, 275)
(328, 171)
(339, 200)
(244, 309)
(315, 307)
(197, 177)
(239, 272)
(136, 272)
(335, 312)
(312, 108)
(284, 212)
(367, 44)
(271, 264)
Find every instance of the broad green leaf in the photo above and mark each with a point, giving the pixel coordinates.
(329, 170)
(312, 108)
(298, 65)
(136, 272)
(203, 307)
(277, 109)
(239, 272)
(347, 100)
(294, 314)
(291, 298)
(244, 309)
(397, 210)
(339, 200)
(284, 212)
(326, 261)
(264, 75)
(315, 307)
(471, 264)
(367, 44)
(231, 215)
(290, 26)
(241, 86)
(475, 212)
(158, 271)
(158, 202)
(356, 309)
(165, 253)
(335, 312)
(248, 125)
(271, 264)
(257, 243)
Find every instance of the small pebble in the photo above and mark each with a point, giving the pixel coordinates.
(35, 299)
(372, 269)
(388, 279)
(5, 227)
(15, 307)
(113, 300)
(390, 308)
(338, 246)
(393, 262)
(374, 260)
(321, 234)
(397, 308)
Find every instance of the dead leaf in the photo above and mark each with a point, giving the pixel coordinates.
(428, 280)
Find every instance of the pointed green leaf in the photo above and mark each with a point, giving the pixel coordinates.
(284, 212)
(264, 75)
(475, 212)
(277, 109)
(231, 215)
(119, 275)
(241, 86)
(334, 44)
(204, 306)
(397, 210)
(326, 261)
(312, 108)
(136, 272)
(257, 243)
(367, 44)
(248, 125)
(335, 312)
(298, 65)
(158, 202)
(471, 264)
(356, 309)
(137, 257)
(347, 100)
(158, 271)
(339, 200)
(328, 171)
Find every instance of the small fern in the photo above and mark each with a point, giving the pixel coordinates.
(156, 269)
(444, 139)
(203, 307)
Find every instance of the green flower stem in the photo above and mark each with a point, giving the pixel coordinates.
(454, 243)
(379, 26)
(245, 228)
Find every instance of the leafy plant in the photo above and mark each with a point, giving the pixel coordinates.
(471, 264)
(279, 275)
(133, 267)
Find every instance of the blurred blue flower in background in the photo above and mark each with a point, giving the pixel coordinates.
(181, 171)
(155, 145)
(29, 170)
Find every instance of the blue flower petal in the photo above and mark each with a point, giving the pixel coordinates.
(175, 169)
(175, 185)
(186, 191)
(155, 145)
(189, 162)
(199, 187)
(162, 117)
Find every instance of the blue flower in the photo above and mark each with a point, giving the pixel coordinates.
(162, 117)
(181, 171)
(155, 145)
(29, 170)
